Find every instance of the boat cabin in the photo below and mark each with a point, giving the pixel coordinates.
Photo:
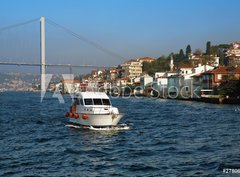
(92, 99)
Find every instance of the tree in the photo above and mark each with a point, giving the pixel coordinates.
(181, 55)
(188, 50)
(208, 48)
(207, 59)
(229, 88)
(159, 65)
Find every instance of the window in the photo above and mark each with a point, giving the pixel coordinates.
(219, 76)
(81, 101)
(187, 89)
(97, 101)
(106, 102)
(88, 101)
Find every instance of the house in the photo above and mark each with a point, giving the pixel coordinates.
(144, 80)
(160, 83)
(121, 82)
(196, 59)
(185, 69)
(233, 55)
(212, 79)
(196, 86)
(113, 73)
(146, 59)
(184, 84)
(175, 86)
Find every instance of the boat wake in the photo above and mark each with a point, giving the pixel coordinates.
(110, 128)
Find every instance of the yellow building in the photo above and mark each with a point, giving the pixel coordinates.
(133, 69)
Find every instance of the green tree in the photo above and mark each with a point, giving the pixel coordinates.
(230, 88)
(222, 48)
(207, 59)
(181, 55)
(208, 48)
(159, 65)
(188, 50)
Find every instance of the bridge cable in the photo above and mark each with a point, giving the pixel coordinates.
(84, 39)
(19, 24)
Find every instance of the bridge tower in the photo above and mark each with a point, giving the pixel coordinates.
(42, 54)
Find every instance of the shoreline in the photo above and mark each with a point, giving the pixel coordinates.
(220, 100)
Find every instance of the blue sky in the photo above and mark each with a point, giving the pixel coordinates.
(131, 28)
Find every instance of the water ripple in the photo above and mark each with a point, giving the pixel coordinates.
(166, 138)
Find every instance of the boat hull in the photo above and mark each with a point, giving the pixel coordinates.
(97, 120)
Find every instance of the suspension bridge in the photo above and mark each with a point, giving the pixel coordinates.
(42, 64)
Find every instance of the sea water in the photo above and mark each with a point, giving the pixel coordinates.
(161, 138)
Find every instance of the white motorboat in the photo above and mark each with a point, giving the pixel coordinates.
(93, 109)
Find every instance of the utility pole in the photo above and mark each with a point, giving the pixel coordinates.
(42, 54)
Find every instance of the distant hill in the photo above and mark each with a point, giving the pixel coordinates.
(22, 81)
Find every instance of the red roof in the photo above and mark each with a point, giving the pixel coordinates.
(233, 57)
(146, 59)
(113, 70)
(83, 84)
(224, 70)
(132, 60)
(186, 66)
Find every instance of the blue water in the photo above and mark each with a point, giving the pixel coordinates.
(166, 138)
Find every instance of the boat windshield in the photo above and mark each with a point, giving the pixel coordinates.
(106, 102)
(88, 101)
(97, 101)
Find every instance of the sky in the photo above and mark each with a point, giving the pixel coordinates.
(129, 28)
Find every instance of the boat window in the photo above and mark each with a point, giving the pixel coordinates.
(81, 101)
(97, 101)
(88, 101)
(106, 102)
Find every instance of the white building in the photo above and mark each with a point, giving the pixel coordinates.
(185, 85)
(185, 70)
(144, 80)
(160, 83)
(132, 68)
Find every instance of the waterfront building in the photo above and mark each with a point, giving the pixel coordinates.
(185, 84)
(212, 79)
(144, 80)
(175, 86)
(160, 83)
(191, 83)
